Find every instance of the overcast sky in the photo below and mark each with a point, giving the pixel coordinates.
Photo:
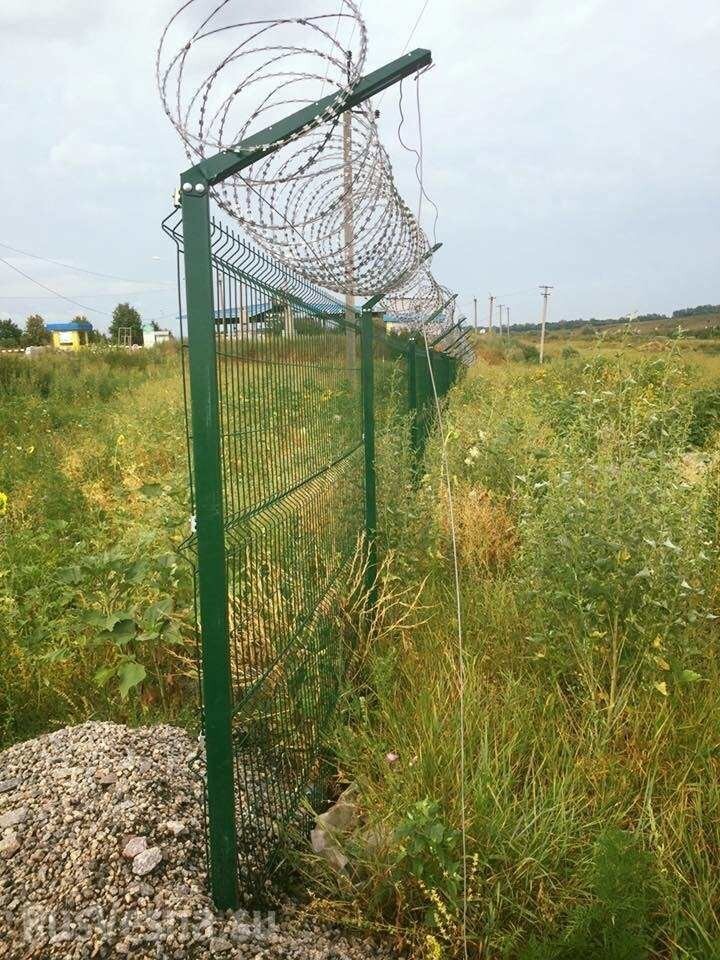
(569, 142)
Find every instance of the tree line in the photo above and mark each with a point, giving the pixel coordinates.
(705, 309)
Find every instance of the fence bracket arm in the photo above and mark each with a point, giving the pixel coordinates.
(213, 169)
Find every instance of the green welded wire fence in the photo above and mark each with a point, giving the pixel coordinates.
(281, 439)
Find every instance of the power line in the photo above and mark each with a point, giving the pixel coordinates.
(337, 26)
(518, 293)
(419, 156)
(10, 296)
(69, 266)
(54, 292)
(62, 296)
(407, 44)
(419, 18)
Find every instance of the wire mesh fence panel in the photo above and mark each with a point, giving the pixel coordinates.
(284, 399)
(425, 409)
(290, 451)
(285, 387)
(434, 373)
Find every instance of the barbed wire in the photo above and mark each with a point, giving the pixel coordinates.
(222, 77)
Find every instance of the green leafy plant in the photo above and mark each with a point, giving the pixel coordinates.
(429, 851)
(128, 637)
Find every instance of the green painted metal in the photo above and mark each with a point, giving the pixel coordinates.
(413, 397)
(212, 586)
(284, 478)
(435, 314)
(284, 482)
(446, 333)
(277, 435)
(368, 405)
(214, 169)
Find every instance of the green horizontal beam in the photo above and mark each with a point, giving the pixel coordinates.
(212, 170)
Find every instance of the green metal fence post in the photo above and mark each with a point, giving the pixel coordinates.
(413, 398)
(367, 373)
(445, 376)
(437, 366)
(212, 585)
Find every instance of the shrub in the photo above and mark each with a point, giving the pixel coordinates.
(705, 419)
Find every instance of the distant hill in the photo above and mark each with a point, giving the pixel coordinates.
(697, 311)
(694, 321)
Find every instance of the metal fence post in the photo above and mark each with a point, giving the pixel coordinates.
(212, 584)
(413, 398)
(367, 374)
(444, 375)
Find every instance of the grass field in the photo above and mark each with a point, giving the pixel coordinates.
(586, 497)
(92, 593)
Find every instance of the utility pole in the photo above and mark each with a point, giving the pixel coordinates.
(508, 322)
(349, 238)
(500, 315)
(545, 294)
(492, 301)
(475, 309)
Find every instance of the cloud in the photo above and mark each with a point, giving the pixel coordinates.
(77, 155)
(54, 19)
(574, 143)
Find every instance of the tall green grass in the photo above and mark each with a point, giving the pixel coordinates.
(586, 498)
(93, 596)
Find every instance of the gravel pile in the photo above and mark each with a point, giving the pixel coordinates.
(102, 855)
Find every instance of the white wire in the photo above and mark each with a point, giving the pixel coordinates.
(407, 42)
(461, 646)
(456, 567)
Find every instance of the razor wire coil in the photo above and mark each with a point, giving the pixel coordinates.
(222, 76)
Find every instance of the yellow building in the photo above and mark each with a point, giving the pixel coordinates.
(72, 335)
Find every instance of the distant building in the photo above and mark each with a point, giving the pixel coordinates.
(259, 317)
(153, 337)
(72, 335)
